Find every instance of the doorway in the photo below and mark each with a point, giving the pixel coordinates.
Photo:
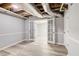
(41, 33)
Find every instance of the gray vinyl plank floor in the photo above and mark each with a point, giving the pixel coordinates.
(33, 49)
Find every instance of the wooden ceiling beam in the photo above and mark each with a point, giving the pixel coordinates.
(39, 4)
(61, 7)
(23, 13)
(39, 7)
(9, 7)
(6, 5)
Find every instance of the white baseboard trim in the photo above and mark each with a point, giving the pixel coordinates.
(51, 42)
(60, 43)
(14, 44)
(11, 45)
(55, 43)
(28, 40)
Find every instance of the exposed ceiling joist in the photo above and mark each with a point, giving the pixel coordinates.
(54, 5)
(39, 7)
(16, 8)
(32, 10)
(36, 9)
(23, 13)
(48, 10)
(58, 8)
(61, 7)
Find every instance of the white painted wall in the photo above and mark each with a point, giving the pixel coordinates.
(11, 30)
(27, 29)
(72, 30)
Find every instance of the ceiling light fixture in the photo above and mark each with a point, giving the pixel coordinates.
(15, 6)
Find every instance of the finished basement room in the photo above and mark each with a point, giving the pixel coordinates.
(39, 29)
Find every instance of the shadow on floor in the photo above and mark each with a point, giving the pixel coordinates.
(58, 48)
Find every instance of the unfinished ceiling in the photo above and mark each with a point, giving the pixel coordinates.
(55, 7)
(16, 8)
(39, 7)
(58, 8)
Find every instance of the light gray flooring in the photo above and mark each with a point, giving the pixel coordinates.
(33, 49)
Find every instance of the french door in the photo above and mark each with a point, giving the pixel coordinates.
(56, 31)
(51, 30)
